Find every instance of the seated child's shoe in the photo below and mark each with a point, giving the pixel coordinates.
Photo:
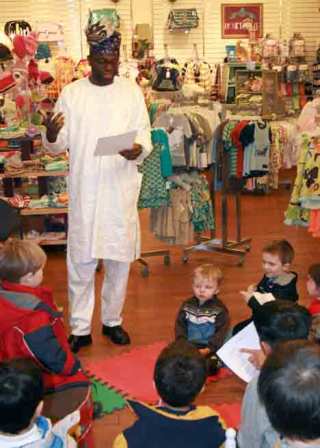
(213, 364)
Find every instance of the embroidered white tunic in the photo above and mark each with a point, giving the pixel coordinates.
(103, 190)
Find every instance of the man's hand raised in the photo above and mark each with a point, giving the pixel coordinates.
(53, 123)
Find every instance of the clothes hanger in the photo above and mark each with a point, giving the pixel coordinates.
(166, 54)
(124, 52)
(195, 53)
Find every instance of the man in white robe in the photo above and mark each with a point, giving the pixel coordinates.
(103, 190)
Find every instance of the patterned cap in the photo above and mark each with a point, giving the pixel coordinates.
(102, 38)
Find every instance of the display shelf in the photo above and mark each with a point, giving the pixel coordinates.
(43, 241)
(34, 174)
(7, 149)
(229, 79)
(44, 211)
(52, 242)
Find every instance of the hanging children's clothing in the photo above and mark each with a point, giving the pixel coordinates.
(305, 196)
(173, 223)
(179, 132)
(256, 139)
(190, 130)
(190, 210)
(155, 168)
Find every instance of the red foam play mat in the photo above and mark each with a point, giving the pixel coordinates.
(230, 412)
(131, 373)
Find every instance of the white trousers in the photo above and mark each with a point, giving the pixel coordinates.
(81, 285)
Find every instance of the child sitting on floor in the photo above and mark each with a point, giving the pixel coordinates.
(204, 320)
(179, 376)
(278, 282)
(21, 402)
(30, 324)
(313, 288)
(289, 389)
(276, 322)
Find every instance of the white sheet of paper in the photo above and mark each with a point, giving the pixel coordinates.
(264, 297)
(110, 146)
(238, 362)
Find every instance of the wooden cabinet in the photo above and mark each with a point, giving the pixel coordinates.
(230, 73)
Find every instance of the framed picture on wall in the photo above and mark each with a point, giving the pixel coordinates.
(238, 19)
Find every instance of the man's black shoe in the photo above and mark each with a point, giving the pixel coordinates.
(117, 334)
(77, 342)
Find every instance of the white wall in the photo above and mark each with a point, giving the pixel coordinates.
(142, 11)
(281, 19)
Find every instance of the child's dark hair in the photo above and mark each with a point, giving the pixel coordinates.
(289, 389)
(282, 248)
(180, 373)
(280, 321)
(21, 391)
(314, 272)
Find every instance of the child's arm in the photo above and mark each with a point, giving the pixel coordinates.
(181, 330)
(49, 345)
(248, 294)
(222, 325)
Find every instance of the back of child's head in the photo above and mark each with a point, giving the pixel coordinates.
(282, 248)
(289, 389)
(208, 272)
(314, 272)
(180, 373)
(21, 391)
(280, 321)
(20, 257)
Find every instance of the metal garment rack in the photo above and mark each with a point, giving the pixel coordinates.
(145, 271)
(238, 247)
(165, 253)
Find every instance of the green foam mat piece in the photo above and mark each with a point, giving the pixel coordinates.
(109, 398)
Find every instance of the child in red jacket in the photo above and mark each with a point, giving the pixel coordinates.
(30, 324)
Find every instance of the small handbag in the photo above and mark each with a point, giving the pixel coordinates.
(183, 19)
(106, 15)
(166, 76)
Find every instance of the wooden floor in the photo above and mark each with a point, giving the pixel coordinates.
(152, 302)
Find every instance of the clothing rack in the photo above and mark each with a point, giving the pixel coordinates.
(238, 247)
(165, 253)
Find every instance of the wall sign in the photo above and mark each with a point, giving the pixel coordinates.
(237, 19)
